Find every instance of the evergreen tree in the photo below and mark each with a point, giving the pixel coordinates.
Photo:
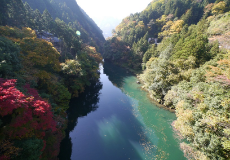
(48, 23)
(38, 21)
(29, 15)
(3, 12)
(17, 13)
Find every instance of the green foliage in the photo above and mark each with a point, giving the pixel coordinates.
(48, 22)
(219, 8)
(10, 61)
(160, 76)
(70, 13)
(209, 113)
(151, 52)
(117, 51)
(202, 108)
(61, 97)
(164, 19)
(3, 14)
(80, 71)
(30, 149)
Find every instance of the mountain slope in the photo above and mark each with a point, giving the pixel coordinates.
(43, 64)
(70, 12)
(187, 70)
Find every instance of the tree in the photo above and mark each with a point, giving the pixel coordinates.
(9, 58)
(48, 23)
(29, 15)
(17, 13)
(38, 20)
(30, 115)
(219, 8)
(3, 12)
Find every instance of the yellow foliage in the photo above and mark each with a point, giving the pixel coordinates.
(167, 25)
(171, 28)
(177, 26)
(198, 96)
(28, 32)
(202, 107)
(16, 32)
(154, 5)
(184, 117)
(219, 8)
(40, 59)
(148, 64)
(140, 24)
(38, 52)
(161, 20)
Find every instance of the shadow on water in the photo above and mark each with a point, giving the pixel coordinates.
(116, 74)
(79, 107)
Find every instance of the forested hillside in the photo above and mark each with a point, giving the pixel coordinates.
(47, 55)
(74, 16)
(187, 70)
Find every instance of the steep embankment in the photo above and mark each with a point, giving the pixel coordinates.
(187, 70)
(40, 71)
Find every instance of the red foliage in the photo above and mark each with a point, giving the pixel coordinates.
(32, 116)
(10, 97)
(3, 157)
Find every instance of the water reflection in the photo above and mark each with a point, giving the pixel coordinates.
(125, 125)
(79, 107)
(115, 73)
(156, 137)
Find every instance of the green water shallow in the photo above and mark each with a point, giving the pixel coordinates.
(159, 139)
(115, 120)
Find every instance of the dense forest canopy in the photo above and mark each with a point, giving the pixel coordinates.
(49, 52)
(186, 70)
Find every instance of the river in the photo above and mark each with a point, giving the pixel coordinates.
(114, 120)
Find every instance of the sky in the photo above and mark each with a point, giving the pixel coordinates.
(112, 8)
(109, 13)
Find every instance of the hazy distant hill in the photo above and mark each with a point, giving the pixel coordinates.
(107, 24)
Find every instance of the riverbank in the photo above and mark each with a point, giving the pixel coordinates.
(137, 73)
(152, 98)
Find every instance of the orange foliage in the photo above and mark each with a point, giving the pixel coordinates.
(93, 53)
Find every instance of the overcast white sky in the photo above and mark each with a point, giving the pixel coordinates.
(112, 8)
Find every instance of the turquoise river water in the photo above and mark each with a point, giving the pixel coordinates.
(115, 120)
